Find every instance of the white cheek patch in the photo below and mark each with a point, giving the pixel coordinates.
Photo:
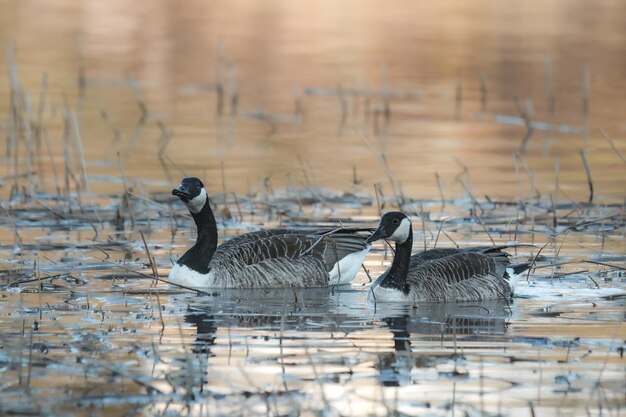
(195, 204)
(402, 232)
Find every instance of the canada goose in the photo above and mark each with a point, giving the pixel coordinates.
(267, 258)
(440, 275)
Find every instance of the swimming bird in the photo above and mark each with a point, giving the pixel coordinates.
(264, 259)
(440, 275)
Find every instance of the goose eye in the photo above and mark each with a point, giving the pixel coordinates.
(198, 185)
(395, 221)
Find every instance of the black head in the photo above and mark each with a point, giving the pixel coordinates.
(191, 192)
(394, 226)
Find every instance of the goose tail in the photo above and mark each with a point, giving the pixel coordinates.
(514, 272)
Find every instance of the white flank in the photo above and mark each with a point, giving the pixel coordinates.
(401, 234)
(346, 269)
(183, 275)
(513, 278)
(378, 294)
(195, 204)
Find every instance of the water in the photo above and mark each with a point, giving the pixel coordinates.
(340, 109)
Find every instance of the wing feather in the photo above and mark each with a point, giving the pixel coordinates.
(461, 276)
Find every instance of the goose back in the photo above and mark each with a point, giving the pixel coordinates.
(284, 258)
(437, 253)
(462, 276)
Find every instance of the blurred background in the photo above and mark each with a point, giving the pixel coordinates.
(490, 96)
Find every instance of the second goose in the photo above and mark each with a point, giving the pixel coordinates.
(440, 275)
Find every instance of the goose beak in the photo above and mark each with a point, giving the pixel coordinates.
(377, 235)
(181, 192)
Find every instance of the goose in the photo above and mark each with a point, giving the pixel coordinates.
(264, 259)
(443, 274)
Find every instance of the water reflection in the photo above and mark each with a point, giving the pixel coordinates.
(278, 313)
(463, 321)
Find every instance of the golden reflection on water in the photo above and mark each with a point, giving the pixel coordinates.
(276, 50)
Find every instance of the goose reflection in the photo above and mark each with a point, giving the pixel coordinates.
(333, 310)
(280, 313)
(464, 321)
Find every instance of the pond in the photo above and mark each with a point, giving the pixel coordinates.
(494, 122)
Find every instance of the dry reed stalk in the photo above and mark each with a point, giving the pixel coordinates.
(423, 225)
(38, 266)
(226, 209)
(38, 126)
(439, 186)
(117, 135)
(583, 156)
(82, 77)
(617, 151)
(164, 140)
(52, 164)
(159, 307)
(475, 202)
(150, 259)
(458, 96)
(143, 108)
(18, 239)
(30, 360)
(484, 228)
(237, 206)
(19, 355)
(380, 199)
(450, 238)
(367, 272)
(529, 174)
(383, 161)
(385, 92)
(175, 165)
(79, 149)
(553, 208)
(367, 111)
(441, 222)
(27, 122)
(483, 91)
(343, 106)
(549, 86)
(280, 342)
(219, 82)
(233, 88)
(586, 87)
(526, 112)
